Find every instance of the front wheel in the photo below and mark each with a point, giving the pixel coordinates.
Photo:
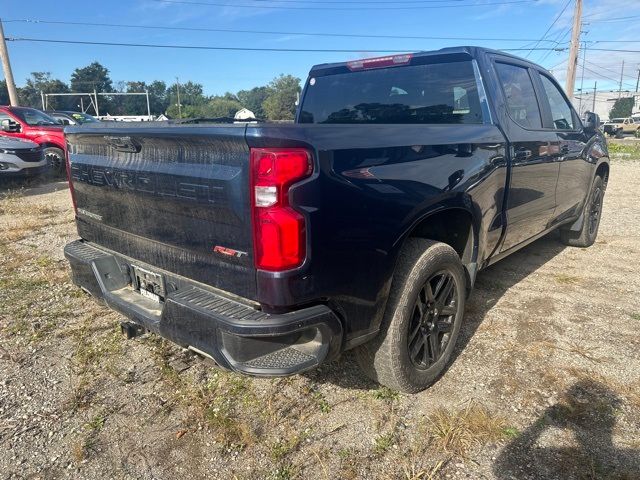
(422, 319)
(55, 157)
(586, 236)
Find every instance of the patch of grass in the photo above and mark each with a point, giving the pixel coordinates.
(621, 150)
(635, 316)
(284, 447)
(321, 402)
(458, 432)
(385, 393)
(284, 472)
(80, 396)
(565, 279)
(82, 449)
(384, 442)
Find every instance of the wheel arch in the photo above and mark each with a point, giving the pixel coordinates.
(453, 225)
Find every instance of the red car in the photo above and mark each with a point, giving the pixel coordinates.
(31, 124)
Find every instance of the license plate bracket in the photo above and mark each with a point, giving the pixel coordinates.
(149, 284)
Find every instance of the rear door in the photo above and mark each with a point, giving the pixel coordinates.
(168, 196)
(534, 168)
(574, 179)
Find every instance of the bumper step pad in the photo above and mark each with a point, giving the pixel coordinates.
(235, 334)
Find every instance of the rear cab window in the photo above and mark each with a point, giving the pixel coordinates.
(522, 103)
(436, 93)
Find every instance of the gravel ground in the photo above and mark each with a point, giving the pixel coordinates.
(545, 383)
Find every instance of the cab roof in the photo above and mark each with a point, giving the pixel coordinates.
(459, 53)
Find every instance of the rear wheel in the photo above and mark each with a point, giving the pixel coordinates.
(588, 232)
(422, 319)
(55, 157)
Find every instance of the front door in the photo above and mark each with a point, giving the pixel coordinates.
(531, 197)
(576, 173)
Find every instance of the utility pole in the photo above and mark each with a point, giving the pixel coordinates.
(6, 66)
(621, 75)
(584, 57)
(573, 51)
(148, 106)
(178, 91)
(595, 86)
(638, 81)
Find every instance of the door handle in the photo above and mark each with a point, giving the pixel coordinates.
(521, 154)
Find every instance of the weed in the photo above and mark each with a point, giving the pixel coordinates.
(635, 316)
(322, 403)
(458, 432)
(565, 279)
(385, 393)
(282, 448)
(284, 472)
(384, 442)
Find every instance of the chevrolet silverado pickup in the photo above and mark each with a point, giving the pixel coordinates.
(272, 248)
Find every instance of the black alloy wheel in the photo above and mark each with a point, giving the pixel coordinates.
(432, 319)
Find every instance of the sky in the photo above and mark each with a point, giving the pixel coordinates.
(523, 21)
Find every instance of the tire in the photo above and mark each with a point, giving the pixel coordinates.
(55, 157)
(416, 288)
(591, 214)
(619, 134)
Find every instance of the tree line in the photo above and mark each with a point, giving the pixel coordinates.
(274, 101)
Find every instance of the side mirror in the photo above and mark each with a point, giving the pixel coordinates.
(10, 126)
(591, 121)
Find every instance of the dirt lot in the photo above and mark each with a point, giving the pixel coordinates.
(545, 384)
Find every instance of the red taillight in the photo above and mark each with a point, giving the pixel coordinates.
(71, 190)
(380, 62)
(279, 232)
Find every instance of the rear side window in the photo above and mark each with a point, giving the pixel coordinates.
(521, 97)
(560, 109)
(418, 94)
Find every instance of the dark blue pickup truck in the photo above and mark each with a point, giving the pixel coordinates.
(272, 248)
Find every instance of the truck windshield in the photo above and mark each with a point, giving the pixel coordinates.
(436, 93)
(34, 117)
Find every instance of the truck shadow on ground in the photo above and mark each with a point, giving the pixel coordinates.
(585, 417)
(491, 285)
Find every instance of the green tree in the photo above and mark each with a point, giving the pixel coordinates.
(221, 107)
(158, 97)
(4, 93)
(280, 104)
(91, 77)
(30, 95)
(135, 104)
(253, 99)
(94, 77)
(192, 100)
(622, 108)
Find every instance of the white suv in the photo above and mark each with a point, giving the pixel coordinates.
(21, 158)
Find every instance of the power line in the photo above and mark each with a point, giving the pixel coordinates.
(604, 77)
(550, 27)
(328, 9)
(269, 32)
(558, 40)
(251, 49)
(608, 69)
(607, 20)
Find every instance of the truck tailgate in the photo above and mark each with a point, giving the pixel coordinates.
(168, 197)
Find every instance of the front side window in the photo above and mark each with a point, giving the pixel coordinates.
(560, 109)
(440, 93)
(520, 95)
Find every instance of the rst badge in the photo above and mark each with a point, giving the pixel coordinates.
(229, 252)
